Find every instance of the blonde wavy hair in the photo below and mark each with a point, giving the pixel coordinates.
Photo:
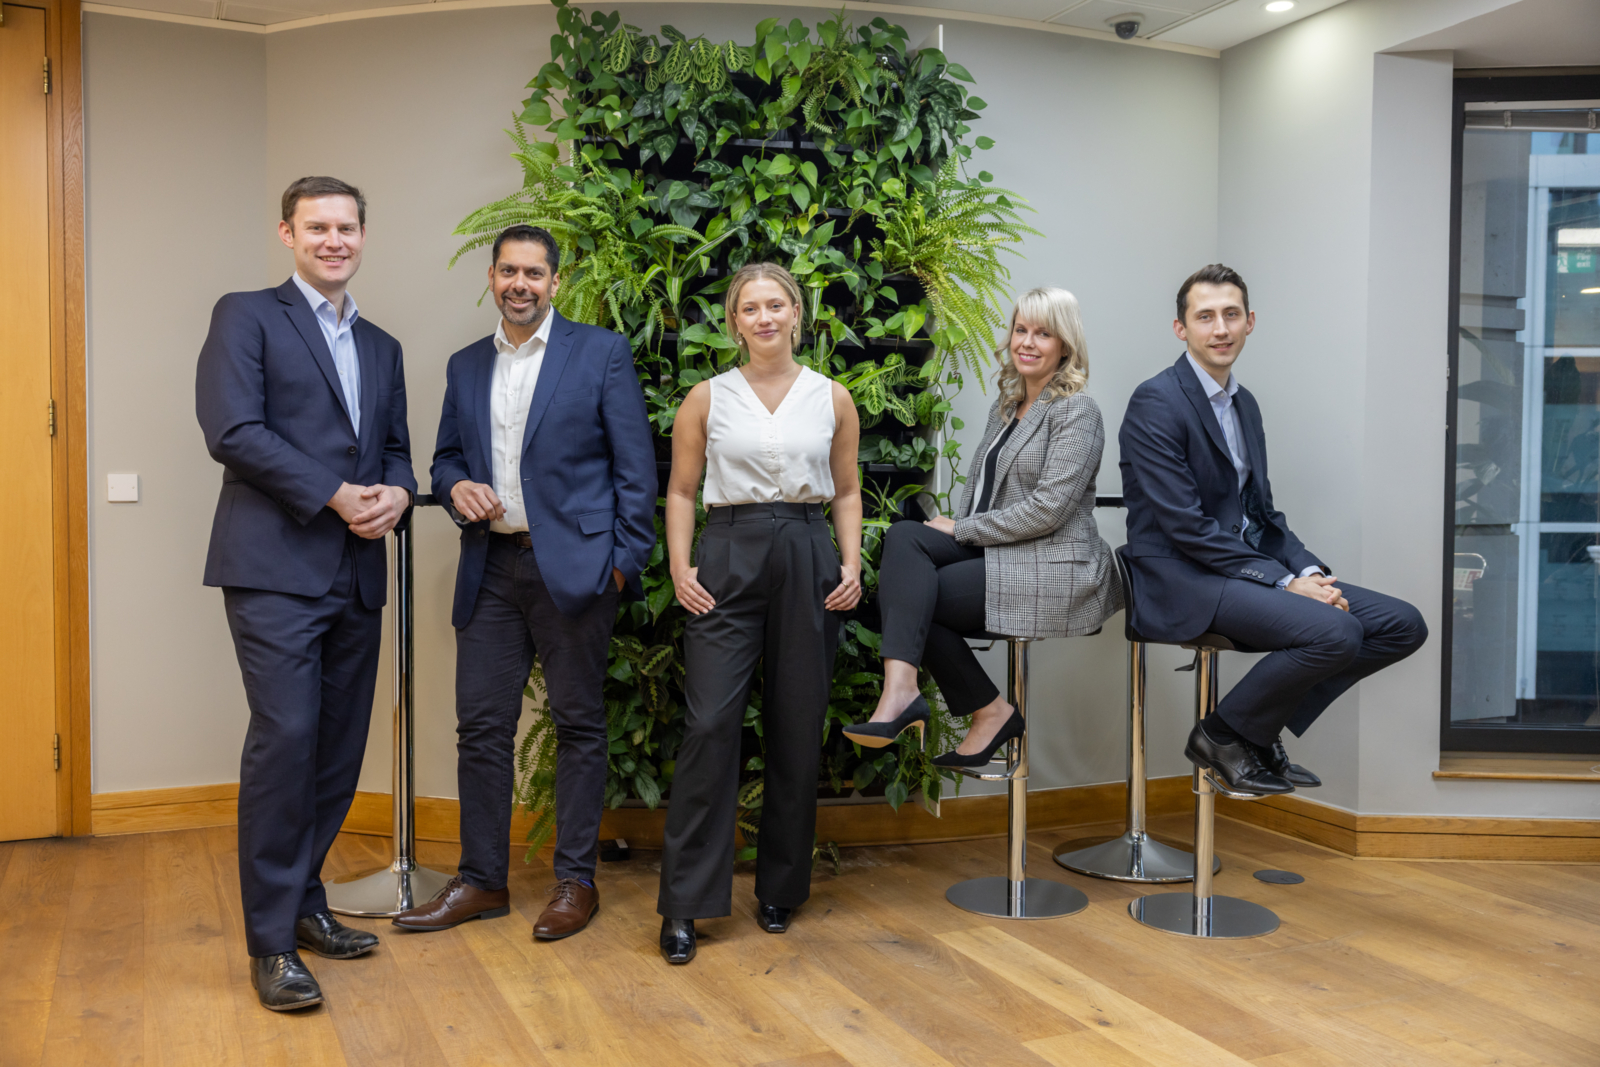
(1057, 311)
(744, 276)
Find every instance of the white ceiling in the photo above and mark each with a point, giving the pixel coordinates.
(1532, 33)
(1187, 24)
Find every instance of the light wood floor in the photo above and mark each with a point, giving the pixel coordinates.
(128, 950)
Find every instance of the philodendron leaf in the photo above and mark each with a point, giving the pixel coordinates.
(809, 170)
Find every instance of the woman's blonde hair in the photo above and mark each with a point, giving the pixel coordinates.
(1057, 311)
(744, 276)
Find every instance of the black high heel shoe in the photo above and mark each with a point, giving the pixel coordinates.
(677, 940)
(881, 734)
(1014, 727)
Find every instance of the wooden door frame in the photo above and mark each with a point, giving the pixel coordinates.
(68, 390)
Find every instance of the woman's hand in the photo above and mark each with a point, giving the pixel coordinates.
(943, 523)
(847, 594)
(691, 594)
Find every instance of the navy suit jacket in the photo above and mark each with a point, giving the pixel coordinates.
(270, 403)
(588, 465)
(1184, 514)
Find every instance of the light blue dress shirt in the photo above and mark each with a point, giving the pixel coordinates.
(341, 338)
(1228, 417)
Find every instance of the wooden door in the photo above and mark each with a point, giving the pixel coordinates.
(27, 610)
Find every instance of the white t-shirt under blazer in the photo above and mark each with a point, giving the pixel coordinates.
(756, 456)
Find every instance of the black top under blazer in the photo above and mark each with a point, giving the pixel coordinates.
(273, 411)
(1184, 514)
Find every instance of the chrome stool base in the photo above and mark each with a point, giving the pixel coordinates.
(1039, 898)
(1223, 918)
(1133, 857)
(383, 893)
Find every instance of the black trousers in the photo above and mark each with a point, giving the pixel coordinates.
(930, 592)
(310, 666)
(1317, 652)
(768, 567)
(513, 619)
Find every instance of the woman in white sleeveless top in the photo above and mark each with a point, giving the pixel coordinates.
(776, 442)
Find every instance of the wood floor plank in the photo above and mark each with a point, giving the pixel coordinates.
(829, 1058)
(1085, 1047)
(34, 893)
(97, 1006)
(1123, 1021)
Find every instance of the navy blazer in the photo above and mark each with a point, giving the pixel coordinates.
(1184, 514)
(273, 411)
(588, 465)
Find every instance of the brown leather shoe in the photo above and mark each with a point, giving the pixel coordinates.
(572, 905)
(456, 903)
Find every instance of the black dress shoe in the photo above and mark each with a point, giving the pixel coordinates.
(1014, 727)
(773, 919)
(1276, 759)
(677, 940)
(1237, 763)
(332, 939)
(880, 734)
(282, 982)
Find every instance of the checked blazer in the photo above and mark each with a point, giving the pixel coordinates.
(1047, 571)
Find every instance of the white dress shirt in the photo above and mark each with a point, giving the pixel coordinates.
(341, 338)
(516, 374)
(1222, 403)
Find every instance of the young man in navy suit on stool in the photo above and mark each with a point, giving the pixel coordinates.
(546, 458)
(303, 402)
(1208, 552)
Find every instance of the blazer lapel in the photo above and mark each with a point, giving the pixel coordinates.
(367, 393)
(480, 380)
(1250, 428)
(556, 353)
(1019, 437)
(305, 323)
(1202, 405)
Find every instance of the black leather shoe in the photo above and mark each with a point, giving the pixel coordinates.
(871, 734)
(1276, 759)
(1237, 763)
(1014, 727)
(677, 940)
(282, 982)
(773, 919)
(332, 939)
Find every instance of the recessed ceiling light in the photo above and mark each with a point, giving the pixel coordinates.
(1278, 7)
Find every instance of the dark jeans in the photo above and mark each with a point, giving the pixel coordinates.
(514, 618)
(1317, 651)
(769, 572)
(930, 592)
(310, 666)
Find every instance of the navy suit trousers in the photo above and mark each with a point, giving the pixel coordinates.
(310, 666)
(1317, 651)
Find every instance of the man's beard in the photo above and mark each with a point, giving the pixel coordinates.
(530, 317)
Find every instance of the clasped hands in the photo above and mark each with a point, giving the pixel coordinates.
(370, 510)
(1320, 587)
(478, 502)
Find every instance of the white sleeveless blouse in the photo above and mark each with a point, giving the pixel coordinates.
(756, 456)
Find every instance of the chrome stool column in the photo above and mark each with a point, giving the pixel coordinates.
(1202, 913)
(1014, 896)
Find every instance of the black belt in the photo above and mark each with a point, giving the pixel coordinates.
(522, 539)
(781, 510)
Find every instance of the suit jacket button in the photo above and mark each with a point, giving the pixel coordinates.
(351, 450)
(1236, 528)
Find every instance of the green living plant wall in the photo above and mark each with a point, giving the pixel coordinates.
(667, 162)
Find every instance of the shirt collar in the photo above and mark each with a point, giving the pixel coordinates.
(318, 302)
(1208, 383)
(503, 344)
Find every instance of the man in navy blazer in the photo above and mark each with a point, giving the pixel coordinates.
(303, 402)
(1208, 552)
(545, 456)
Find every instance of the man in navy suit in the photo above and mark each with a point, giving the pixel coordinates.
(1208, 552)
(546, 458)
(303, 402)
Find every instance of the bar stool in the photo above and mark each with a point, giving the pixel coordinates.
(1201, 913)
(1135, 856)
(1014, 896)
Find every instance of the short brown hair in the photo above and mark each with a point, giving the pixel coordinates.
(1212, 274)
(315, 186)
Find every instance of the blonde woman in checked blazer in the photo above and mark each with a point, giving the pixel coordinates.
(1024, 558)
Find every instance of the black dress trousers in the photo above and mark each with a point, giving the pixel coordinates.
(310, 665)
(769, 567)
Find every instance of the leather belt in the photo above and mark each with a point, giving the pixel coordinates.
(780, 510)
(522, 539)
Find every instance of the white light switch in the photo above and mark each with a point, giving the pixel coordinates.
(122, 488)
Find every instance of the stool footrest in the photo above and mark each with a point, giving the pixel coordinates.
(1007, 775)
(1223, 789)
